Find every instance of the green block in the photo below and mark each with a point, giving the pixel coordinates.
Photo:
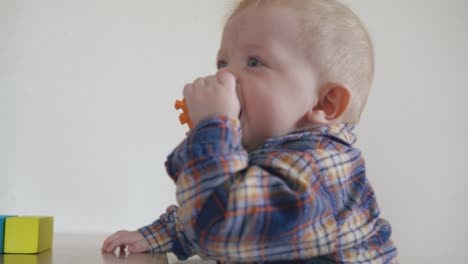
(28, 234)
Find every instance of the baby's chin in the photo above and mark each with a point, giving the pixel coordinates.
(246, 142)
(249, 143)
(249, 147)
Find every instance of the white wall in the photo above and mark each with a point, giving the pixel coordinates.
(86, 115)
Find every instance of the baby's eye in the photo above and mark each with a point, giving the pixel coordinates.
(253, 62)
(221, 64)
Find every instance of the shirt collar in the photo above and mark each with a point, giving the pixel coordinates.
(340, 132)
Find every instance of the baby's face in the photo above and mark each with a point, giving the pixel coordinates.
(276, 83)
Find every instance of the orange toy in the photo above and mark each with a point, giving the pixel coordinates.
(184, 117)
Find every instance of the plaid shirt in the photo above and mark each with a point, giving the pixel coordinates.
(303, 196)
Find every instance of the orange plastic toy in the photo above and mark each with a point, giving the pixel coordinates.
(184, 117)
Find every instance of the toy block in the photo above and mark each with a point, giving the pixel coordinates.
(28, 234)
(184, 117)
(2, 230)
(41, 258)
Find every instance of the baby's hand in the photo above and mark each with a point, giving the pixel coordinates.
(212, 96)
(133, 239)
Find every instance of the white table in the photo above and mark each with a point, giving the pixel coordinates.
(86, 249)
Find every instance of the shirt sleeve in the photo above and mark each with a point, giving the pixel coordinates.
(271, 207)
(164, 235)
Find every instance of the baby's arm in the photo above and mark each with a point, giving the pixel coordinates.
(159, 237)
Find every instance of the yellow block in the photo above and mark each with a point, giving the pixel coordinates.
(28, 234)
(41, 258)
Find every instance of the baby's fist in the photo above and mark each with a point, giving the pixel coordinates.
(135, 242)
(212, 96)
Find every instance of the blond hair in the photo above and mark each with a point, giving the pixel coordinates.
(336, 42)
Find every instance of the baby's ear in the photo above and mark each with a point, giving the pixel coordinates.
(331, 104)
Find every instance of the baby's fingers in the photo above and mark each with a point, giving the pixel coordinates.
(115, 244)
(108, 241)
(226, 78)
(113, 241)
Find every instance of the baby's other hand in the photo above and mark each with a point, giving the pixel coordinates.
(135, 242)
(212, 96)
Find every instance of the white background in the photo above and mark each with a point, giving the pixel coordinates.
(86, 112)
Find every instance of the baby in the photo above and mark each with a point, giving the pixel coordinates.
(269, 172)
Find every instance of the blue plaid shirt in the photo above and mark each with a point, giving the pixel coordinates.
(302, 197)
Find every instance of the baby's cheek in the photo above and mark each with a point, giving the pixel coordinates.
(277, 121)
(264, 120)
